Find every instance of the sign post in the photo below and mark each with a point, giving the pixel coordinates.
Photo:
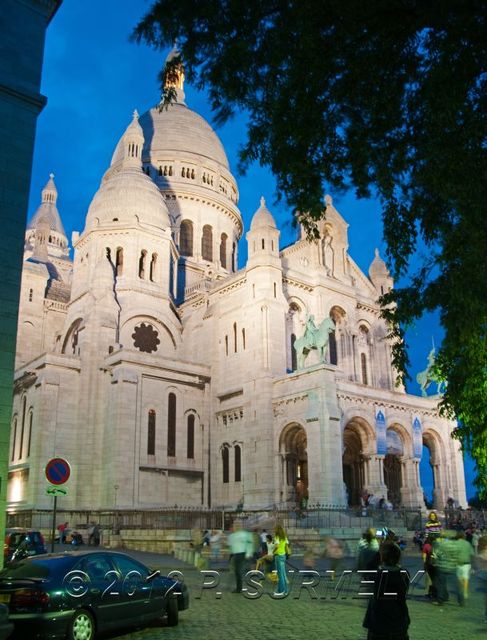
(57, 473)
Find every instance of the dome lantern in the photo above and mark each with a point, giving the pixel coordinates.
(133, 142)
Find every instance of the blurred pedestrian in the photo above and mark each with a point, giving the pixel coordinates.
(445, 558)
(281, 553)
(368, 552)
(241, 548)
(334, 552)
(62, 528)
(215, 544)
(480, 564)
(387, 615)
(465, 554)
(429, 567)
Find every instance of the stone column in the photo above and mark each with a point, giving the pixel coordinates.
(411, 495)
(376, 484)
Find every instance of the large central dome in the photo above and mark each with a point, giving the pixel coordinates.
(180, 130)
(177, 131)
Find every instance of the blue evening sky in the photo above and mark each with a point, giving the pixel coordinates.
(94, 78)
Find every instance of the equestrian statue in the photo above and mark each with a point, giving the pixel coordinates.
(314, 338)
(430, 375)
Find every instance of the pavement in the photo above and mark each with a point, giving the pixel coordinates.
(219, 614)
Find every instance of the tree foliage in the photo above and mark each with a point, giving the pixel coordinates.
(387, 98)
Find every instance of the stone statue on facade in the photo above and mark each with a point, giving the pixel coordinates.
(430, 375)
(314, 338)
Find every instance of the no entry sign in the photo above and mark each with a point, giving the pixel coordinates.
(58, 471)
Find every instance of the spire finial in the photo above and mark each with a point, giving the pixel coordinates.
(328, 200)
(136, 114)
(51, 175)
(174, 74)
(377, 253)
(262, 201)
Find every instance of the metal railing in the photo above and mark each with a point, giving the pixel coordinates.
(313, 517)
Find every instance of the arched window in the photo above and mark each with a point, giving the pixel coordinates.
(152, 271)
(190, 446)
(119, 261)
(14, 440)
(171, 276)
(238, 463)
(243, 339)
(235, 337)
(22, 430)
(151, 433)
(234, 256)
(294, 357)
(333, 348)
(223, 250)
(225, 465)
(275, 290)
(142, 259)
(207, 243)
(226, 345)
(186, 238)
(363, 365)
(263, 243)
(171, 425)
(30, 433)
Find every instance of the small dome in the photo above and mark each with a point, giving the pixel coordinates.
(48, 209)
(262, 217)
(128, 195)
(378, 268)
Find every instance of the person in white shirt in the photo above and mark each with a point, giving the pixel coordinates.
(241, 548)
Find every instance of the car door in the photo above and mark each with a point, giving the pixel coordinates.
(95, 583)
(138, 594)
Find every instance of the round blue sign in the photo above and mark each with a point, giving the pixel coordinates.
(58, 471)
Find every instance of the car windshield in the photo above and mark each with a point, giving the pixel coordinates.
(16, 539)
(37, 568)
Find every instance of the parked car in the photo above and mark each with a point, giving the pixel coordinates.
(20, 543)
(77, 594)
(6, 627)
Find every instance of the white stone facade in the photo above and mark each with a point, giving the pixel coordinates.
(168, 377)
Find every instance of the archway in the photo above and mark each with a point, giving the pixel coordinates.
(294, 451)
(392, 466)
(353, 467)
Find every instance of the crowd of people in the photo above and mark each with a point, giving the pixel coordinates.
(448, 557)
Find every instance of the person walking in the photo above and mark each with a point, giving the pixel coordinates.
(241, 548)
(368, 552)
(445, 558)
(281, 551)
(429, 567)
(480, 564)
(465, 554)
(387, 615)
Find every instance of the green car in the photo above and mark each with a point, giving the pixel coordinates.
(76, 595)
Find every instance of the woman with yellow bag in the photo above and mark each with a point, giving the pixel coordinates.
(281, 553)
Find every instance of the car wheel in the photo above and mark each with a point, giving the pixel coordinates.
(172, 612)
(82, 626)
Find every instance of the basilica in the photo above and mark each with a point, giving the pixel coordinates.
(166, 375)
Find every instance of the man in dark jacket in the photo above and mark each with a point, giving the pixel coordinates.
(387, 616)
